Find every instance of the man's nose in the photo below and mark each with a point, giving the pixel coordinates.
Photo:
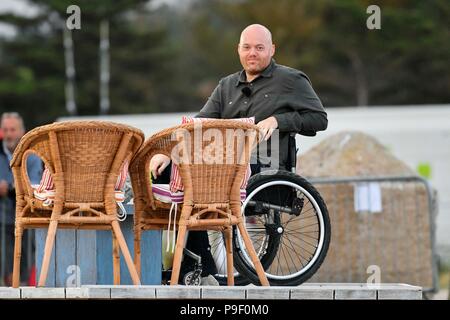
(252, 51)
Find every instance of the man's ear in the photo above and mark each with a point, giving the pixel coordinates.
(273, 50)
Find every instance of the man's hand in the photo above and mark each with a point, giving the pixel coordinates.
(158, 163)
(267, 127)
(3, 188)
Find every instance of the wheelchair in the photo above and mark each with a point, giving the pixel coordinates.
(289, 224)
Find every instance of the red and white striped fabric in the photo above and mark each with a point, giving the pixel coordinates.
(122, 178)
(186, 119)
(46, 182)
(46, 189)
(175, 178)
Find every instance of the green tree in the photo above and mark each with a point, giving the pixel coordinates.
(32, 66)
(406, 62)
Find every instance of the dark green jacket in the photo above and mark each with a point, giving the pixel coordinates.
(279, 91)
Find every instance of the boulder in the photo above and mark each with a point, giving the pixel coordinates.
(348, 154)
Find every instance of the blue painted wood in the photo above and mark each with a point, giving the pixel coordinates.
(65, 259)
(86, 255)
(41, 236)
(91, 251)
(125, 277)
(104, 257)
(150, 255)
(151, 261)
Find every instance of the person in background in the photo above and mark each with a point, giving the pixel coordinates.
(12, 128)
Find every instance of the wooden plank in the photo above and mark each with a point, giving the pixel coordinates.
(90, 252)
(394, 294)
(104, 257)
(399, 292)
(77, 293)
(223, 293)
(151, 257)
(9, 293)
(178, 292)
(43, 293)
(127, 230)
(354, 292)
(266, 293)
(133, 292)
(66, 269)
(307, 292)
(88, 293)
(41, 235)
(86, 256)
(151, 253)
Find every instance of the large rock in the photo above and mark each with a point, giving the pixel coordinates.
(349, 154)
(395, 241)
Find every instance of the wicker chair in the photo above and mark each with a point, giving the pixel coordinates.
(84, 158)
(212, 199)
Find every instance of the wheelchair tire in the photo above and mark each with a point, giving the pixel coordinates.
(279, 208)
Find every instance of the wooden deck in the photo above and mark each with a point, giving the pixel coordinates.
(316, 291)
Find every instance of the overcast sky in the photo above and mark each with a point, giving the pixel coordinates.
(24, 8)
(17, 7)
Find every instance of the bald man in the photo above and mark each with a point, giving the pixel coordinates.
(280, 98)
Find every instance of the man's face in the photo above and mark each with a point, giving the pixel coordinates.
(255, 51)
(12, 132)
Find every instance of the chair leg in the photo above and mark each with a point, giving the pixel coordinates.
(229, 248)
(178, 256)
(17, 256)
(126, 253)
(116, 260)
(137, 249)
(251, 250)
(49, 242)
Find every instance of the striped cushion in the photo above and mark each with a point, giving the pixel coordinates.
(45, 191)
(186, 119)
(162, 193)
(175, 178)
(46, 181)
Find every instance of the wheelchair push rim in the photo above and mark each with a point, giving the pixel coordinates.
(321, 229)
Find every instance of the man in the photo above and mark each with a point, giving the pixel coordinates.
(13, 129)
(280, 98)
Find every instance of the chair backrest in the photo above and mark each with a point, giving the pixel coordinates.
(84, 157)
(212, 156)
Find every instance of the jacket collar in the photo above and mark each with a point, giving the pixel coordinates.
(266, 73)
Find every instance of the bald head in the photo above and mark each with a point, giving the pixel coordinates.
(256, 30)
(255, 50)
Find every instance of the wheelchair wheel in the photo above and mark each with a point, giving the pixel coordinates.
(288, 223)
